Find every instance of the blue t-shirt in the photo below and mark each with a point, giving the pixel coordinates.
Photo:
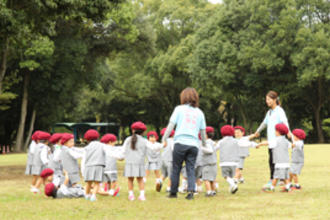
(273, 117)
(189, 121)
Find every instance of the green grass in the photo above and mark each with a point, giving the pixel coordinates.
(312, 202)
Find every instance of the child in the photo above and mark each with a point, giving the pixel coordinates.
(94, 163)
(167, 159)
(64, 190)
(228, 156)
(244, 145)
(69, 158)
(209, 164)
(135, 149)
(47, 176)
(110, 171)
(280, 157)
(154, 158)
(297, 156)
(29, 163)
(55, 162)
(40, 158)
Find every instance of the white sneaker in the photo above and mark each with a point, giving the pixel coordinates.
(233, 189)
(241, 180)
(34, 190)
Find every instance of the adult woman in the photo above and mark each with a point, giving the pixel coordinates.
(189, 121)
(274, 116)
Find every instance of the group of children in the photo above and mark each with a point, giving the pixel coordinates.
(53, 161)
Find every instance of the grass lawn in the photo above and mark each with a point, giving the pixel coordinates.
(312, 202)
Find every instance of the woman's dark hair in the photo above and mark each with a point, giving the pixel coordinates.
(134, 138)
(189, 96)
(273, 95)
(210, 135)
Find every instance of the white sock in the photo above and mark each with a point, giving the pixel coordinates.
(287, 186)
(111, 192)
(231, 181)
(209, 192)
(142, 193)
(131, 193)
(168, 188)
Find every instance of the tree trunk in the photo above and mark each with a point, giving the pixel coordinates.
(318, 122)
(3, 66)
(20, 133)
(33, 119)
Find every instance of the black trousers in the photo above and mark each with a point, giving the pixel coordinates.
(271, 164)
(188, 154)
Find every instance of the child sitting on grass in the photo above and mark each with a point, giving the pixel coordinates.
(64, 190)
(297, 157)
(280, 157)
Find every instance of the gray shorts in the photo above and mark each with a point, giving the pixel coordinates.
(153, 166)
(228, 171)
(198, 172)
(209, 172)
(241, 163)
(295, 168)
(166, 169)
(281, 173)
(110, 177)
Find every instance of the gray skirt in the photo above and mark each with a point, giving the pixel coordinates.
(153, 165)
(36, 170)
(74, 178)
(110, 177)
(295, 168)
(94, 173)
(166, 169)
(28, 169)
(281, 173)
(209, 172)
(134, 170)
(228, 171)
(198, 172)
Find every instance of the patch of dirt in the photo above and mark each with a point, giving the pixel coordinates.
(13, 173)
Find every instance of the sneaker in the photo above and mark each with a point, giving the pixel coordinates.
(131, 198)
(172, 196)
(297, 187)
(142, 198)
(214, 193)
(235, 180)
(241, 180)
(182, 190)
(209, 195)
(159, 186)
(190, 196)
(168, 190)
(234, 189)
(116, 192)
(87, 197)
(35, 190)
(93, 199)
(285, 190)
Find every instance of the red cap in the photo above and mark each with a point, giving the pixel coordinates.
(209, 129)
(66, 137)
(299, 133)
(240, 128)
(139, 125)
(91, 135)
(152, 133)
(108, 137)
(282, 128)
(42, 135)
(227, 130)
(49, 188)
(162, 132)
(34, 136)
(55, 138)
(46, 173)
